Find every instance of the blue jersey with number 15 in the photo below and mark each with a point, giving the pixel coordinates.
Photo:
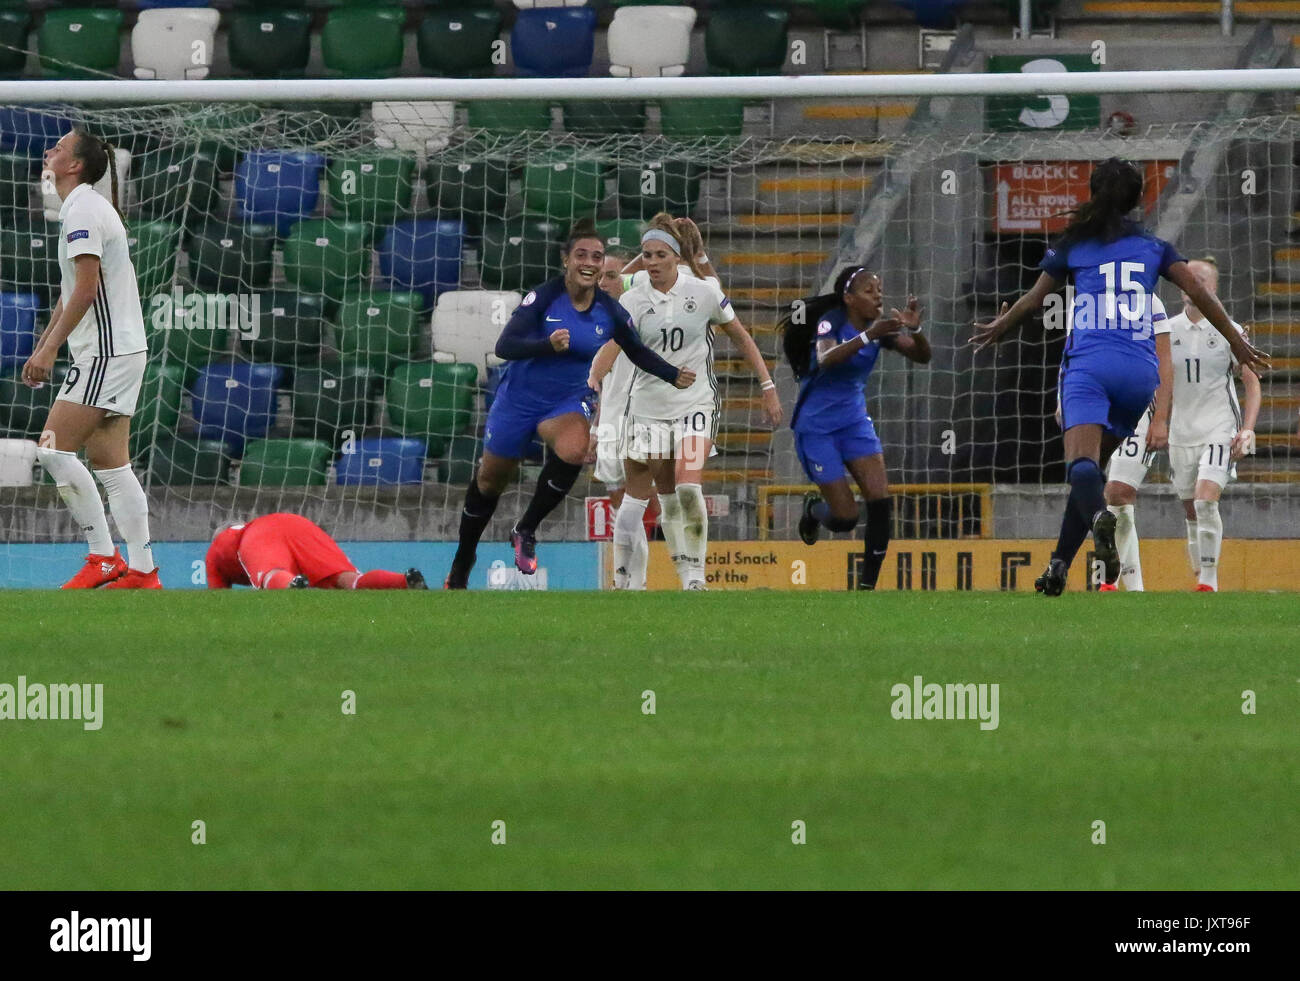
(1113, 285)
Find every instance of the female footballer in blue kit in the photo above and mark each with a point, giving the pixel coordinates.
(832, 350)
(1113, 361)
(549, 343)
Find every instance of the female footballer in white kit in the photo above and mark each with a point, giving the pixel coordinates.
(670, 434)
(99, 316)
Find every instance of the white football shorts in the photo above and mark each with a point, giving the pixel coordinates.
(1209, 461)
(111, 383)
(661, 439)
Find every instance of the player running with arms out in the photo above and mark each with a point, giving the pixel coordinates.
(287, 551)
(550, 342)
(1113, 361)
(98, 315)
(671, 431)
(832, 349)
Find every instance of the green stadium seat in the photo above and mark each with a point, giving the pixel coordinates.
(23, 410)
(611, 118)
(17, 174)
(658, 185)
(269, 43)
(379, 329)
(371, 188)
(843, 14)
(622, 233)
(83, 42)
(285, 463)
(155, 248)
(290, 328)
(158, 409)
(519, 253)
(327, 256)
(457, 467)
(363, 42)
(509, 117)
(458, 42)
(176, 184)
(189, 461)
(746, 41)
(330, 399)
(469, 190)
(563, 187)
(432, 401)
(191, 333)
(15, 25)
(222, 118)
(231, 258)
(685, 119)
(29, 258)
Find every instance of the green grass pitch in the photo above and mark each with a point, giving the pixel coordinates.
(769, 709)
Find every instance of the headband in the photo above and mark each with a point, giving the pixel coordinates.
(655, 235)
(856, 273)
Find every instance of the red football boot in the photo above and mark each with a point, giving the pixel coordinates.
(136, 580)
(99, 570)
(1204, 588)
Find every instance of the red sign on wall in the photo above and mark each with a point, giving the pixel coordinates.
(1032, 197)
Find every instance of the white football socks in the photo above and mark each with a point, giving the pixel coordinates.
(81, 495)
(130, 510)
(695, 529)
(1126, 541)
(670, 520)
(1209, 536)
(1193, 548)
(631, 550)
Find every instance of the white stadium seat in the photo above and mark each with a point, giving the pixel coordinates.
(413, 127)
(51, 202)
(467, 323)
(174, 42)
(17, 458)
(650, 41)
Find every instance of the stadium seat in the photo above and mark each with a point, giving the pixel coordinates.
(285, 463)
(382, 461)
(231, 258)
(327, 256)
(178, 183)
(842, 14)
(519, 253)
(363, 42)
(52, 203)
(17, 462)
(278, 187)
(289, 328)
(174, 42)
(15, 25)
(423, 256)
(933, 13)
(330, 400)
(609, 118)
(82, 42)
(746, 41)
(371, 188)
(223, 118)
(563, 187)
(431, 401)
(270, 43)
(650, 41)
(23, 410)
(17, 329)
(29, 260)
(459, 43)
(190, 330)
(685, 119)
(509, 117)
(235, 402)
(378, 329)
(16, 176)
(468, 190)
(420, 128)
(531, 4)
(461, 457)
(466, 324)
(155, 248)
(554, 42)
(29, 131)
(158, 409)
(189, 461)
(623, 233)
(159, 4)
(658, 185)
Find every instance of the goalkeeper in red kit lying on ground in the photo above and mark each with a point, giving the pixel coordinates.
(286, 551)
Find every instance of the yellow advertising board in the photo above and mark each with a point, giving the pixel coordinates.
(986, 564)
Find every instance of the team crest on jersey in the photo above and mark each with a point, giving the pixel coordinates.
(532, 295)
(73, 236)
(600, 331)
(823, 328)
(690, 306)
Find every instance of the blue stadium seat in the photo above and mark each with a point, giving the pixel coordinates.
(17, 329)
(30, 132)
(554, 42)
(933, 13)
(383, 461)
(423, 256)
(278, 187)
(236, 402)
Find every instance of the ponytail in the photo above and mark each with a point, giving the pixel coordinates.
(798, 326)
(689, 244)
(1116, 187)
(97, 156)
